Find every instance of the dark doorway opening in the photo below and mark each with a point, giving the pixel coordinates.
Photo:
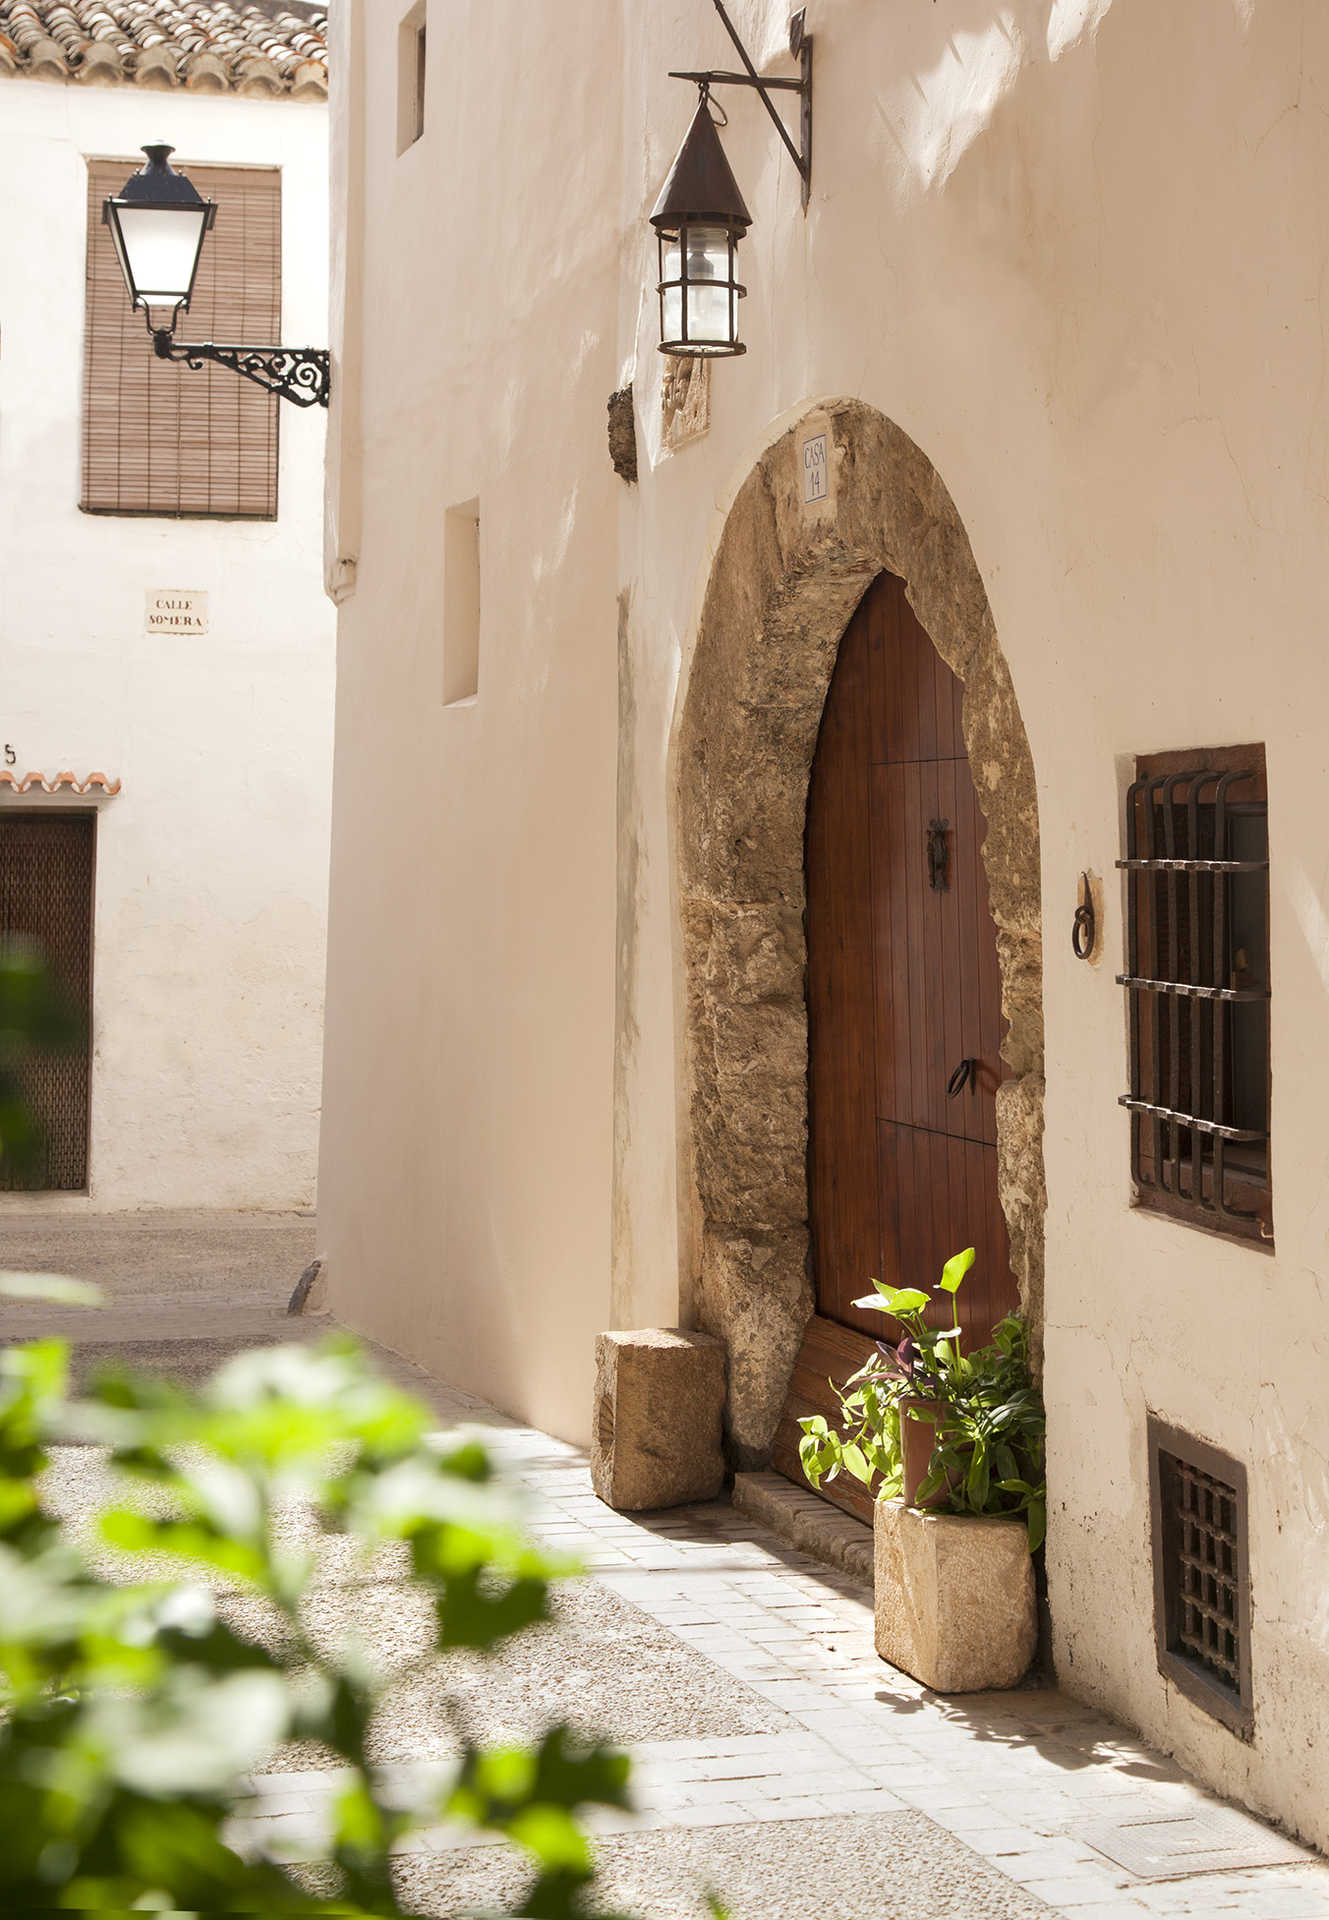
(46, 895)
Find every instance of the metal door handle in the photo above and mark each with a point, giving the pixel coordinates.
(967, 1071)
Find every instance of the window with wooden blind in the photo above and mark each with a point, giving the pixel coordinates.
(160, 438)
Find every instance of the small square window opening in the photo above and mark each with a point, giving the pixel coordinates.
(411, 78)
(1197, 988)
(461, 604)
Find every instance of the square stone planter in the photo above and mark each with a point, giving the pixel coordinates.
(954, 1597)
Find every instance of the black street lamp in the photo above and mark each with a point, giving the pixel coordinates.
(158, 222)
(699, 220)
(700, 217)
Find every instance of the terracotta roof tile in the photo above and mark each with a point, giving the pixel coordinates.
(55, 783)
(266, 48)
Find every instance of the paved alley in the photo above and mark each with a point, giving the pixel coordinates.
(777, 1760)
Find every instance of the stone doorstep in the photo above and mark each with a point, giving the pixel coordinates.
(807, 1522)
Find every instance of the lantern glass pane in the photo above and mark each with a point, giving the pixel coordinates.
(161, 247)
(708, 295)
(673, 294)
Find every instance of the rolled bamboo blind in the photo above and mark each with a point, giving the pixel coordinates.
(161, 438)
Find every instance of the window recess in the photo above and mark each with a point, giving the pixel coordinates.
(411, 56)
(1197, 988)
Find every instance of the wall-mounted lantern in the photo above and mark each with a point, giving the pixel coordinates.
(158, 222)
(700, 217)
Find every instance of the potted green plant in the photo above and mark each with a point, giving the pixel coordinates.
(952, 1445)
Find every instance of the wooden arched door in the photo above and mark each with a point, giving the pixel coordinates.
(904, 1006)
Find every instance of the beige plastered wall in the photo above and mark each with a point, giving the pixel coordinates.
(466, 1157)
(210, 910)
(1075, 250)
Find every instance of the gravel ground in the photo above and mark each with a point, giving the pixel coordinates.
(855, 1867)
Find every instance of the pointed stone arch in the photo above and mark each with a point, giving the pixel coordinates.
(782, 587)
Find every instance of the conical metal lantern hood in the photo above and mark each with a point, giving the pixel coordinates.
(701, 184)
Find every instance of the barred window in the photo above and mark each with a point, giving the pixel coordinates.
(1197, 988)
(159, 438)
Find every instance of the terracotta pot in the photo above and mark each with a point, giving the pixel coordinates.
(917, 1439)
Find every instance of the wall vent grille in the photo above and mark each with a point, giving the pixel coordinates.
(1201, 1573)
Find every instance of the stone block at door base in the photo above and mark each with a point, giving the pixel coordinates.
(659, 1405)
(954, 1598)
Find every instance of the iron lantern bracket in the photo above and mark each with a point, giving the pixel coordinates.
(299, 374)
(800, 45)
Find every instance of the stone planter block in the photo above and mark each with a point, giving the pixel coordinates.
(659, 1403)
(954, 1598)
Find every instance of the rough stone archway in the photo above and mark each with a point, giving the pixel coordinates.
(782, 587)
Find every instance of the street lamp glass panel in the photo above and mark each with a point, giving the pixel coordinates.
(709, 311)
(159, 248)
(698, 293)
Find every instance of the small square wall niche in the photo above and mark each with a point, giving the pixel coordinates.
(411, 77)
(461, 604)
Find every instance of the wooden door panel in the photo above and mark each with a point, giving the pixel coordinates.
(937, 1195)
(829, 1353)
(841, 993)
(939, 999)
(903, 985)
(916, 699)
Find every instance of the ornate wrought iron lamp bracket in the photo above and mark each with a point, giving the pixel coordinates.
(800, 45)
(299, 374)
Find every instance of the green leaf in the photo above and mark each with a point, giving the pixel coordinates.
(59, 1289)
(956, 1268)
(189, 1540)
(895, 1300)
(553, 1837)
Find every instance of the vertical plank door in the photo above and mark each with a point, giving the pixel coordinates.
(904, 1007)
(46, 882)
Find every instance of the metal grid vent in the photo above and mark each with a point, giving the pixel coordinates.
(1197, 988)
(1201, 1573)
(1207, 1570)
(46, 874)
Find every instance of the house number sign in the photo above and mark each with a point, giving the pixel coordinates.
(176, 610)
(814, 468)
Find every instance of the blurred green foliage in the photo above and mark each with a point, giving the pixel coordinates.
(134, 1712)
(36, 1018)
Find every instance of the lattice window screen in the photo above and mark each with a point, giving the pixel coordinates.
(160, 438)
(46, 872)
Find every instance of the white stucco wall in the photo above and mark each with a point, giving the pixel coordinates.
(211, 893)
(1077, 251)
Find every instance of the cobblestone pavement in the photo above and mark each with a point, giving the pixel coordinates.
(777, 1760)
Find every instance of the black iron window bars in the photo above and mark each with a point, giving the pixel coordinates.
(1197, 988)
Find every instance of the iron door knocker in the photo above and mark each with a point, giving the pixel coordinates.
(965, 1074)
(1084, 930)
